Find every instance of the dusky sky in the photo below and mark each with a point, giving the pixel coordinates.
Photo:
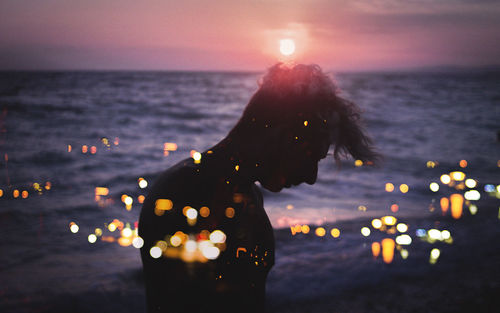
(243, 35)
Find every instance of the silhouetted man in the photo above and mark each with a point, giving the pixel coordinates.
(208, 243)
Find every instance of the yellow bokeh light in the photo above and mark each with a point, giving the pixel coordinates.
(98, 232)
(124, 241)
(112, 227)
(445, 179)
(434, 187)
(305, 229)
(85, 149)
(434, 234)
(472, 195)
(457, 201)
(320, 231)
(445, 204)
(170, 146)
(306, 123)
(435, 253)
(389, 187)
(126, 232)
(358, 163)
(403, 239)
(470, 183)
(217, 236)
(402, 228)
(335, 232)
(197, 157)
(376, 223)
(15, 193)
(404, 254)
(404, 188)
(365, 231)
(73, 227)
(473, 209)
(230, 212)
(389, 220)
(164, 204)
(101, 191)
(388, 250)
(1, 192)
(142, 183)
(92, 238)
(445, 234)
(175, 240)
(128, 200)
(375, 249)
(458, 176)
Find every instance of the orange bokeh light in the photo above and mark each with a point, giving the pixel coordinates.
(388, 250)
(457, 202)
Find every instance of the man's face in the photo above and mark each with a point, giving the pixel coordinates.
(297, 164)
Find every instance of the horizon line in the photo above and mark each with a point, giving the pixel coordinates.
(490, 67)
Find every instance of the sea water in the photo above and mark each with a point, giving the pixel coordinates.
(62, 134)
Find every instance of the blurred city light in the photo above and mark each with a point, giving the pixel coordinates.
(445, 179)
(388, 250)
(365, 231)
(434, 187)
(472, 195)
(376, 223)
(320, 232)
(470, 183)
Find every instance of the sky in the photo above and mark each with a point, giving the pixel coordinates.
(341, 35)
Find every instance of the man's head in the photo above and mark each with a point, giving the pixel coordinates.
(292, 120)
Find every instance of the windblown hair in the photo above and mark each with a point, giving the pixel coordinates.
(290, 95)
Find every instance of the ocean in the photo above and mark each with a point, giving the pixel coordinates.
(62, 134)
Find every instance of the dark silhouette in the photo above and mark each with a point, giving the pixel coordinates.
(286, 129)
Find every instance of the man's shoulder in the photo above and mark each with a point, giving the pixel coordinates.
(180, 178)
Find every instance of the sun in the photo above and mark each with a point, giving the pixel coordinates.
(287, 47)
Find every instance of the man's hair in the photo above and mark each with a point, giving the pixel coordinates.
(299, 97)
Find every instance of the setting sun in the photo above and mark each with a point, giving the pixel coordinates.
(287, 47)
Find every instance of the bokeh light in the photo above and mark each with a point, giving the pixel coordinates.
(320, 231)
(365, 231)
(92, 238)
(434, 187)
(155, 252)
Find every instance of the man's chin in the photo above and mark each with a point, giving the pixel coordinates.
(272, 187)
